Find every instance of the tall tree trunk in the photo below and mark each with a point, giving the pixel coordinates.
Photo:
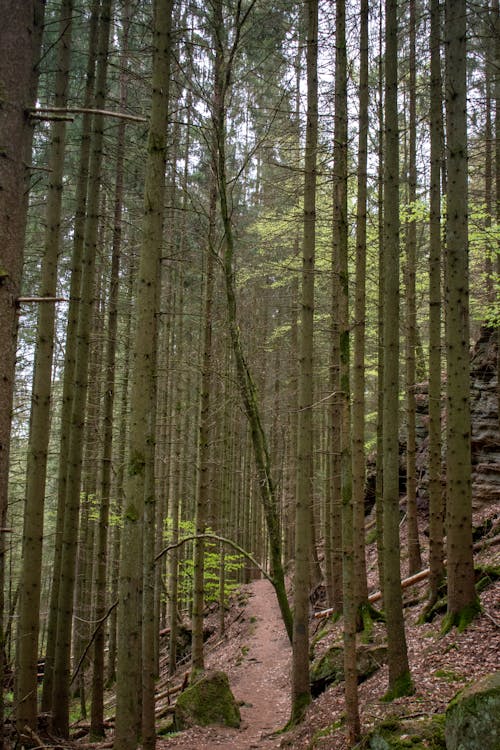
(301, 691)
(399, 674)
(20, 42)
(142, 397)
(60, 707)
(379, 487)
(462, 598)
(244, 377)
(97, 705)
(436, 510)
(203, 485)
(414, 558)
(70, 354)
(30, 581)
(358, 402)
(340, 236)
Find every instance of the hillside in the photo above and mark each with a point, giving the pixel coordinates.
(256, 656)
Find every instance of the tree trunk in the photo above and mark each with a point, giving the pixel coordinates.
(436, 509)
(399, 674)
(30, 581)
(462, 598)
(142, 397)
(70, 355)
(340, 235)
(244, 377)
(414, 558)
(301, 691)
(358, 402)
(20, 41)
(60, 707)
(97, 706)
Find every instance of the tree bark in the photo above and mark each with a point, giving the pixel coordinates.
(301, 691)
(30, 581)
(399, 674)
(20, 42)
(143, 402)
(462, 597)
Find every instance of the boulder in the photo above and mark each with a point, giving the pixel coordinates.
(473, 716)
(208, 700)
(423, 733)
(329, 668)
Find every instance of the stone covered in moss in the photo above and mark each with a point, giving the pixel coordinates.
(473, 716)
(424, 733)
(329, 668)
(208, 700)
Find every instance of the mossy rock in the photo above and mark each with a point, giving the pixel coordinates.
(329, 668)
(208, 700)
(473, 716)
(424, 733)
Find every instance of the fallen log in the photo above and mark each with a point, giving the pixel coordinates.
(420, 576)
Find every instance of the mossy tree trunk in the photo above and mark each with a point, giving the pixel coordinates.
(340, 237)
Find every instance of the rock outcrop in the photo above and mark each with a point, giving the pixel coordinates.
(473, 716)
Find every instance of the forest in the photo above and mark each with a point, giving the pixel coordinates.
(249, 404)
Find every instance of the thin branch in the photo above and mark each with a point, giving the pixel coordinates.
(26, 300)
(217, 538)
(89, 644)
(89, 111)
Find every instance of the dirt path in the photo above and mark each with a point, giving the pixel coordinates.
(258, 667)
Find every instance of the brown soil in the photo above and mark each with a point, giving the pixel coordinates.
(256, 657)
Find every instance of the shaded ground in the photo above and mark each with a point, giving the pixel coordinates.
(256, 658)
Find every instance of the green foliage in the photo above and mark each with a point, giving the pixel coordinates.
(233, 563)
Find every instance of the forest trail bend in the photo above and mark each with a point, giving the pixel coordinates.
(259, 673)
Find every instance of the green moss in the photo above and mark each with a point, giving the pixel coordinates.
(371, 536)
(208, 700)
(299, 708)
(326, 731)
(462, 619)
(448, 675)
(131, 513)
(402, 686)
(425, 733)
(136, 464)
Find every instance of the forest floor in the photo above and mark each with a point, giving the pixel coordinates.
(256, 655)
